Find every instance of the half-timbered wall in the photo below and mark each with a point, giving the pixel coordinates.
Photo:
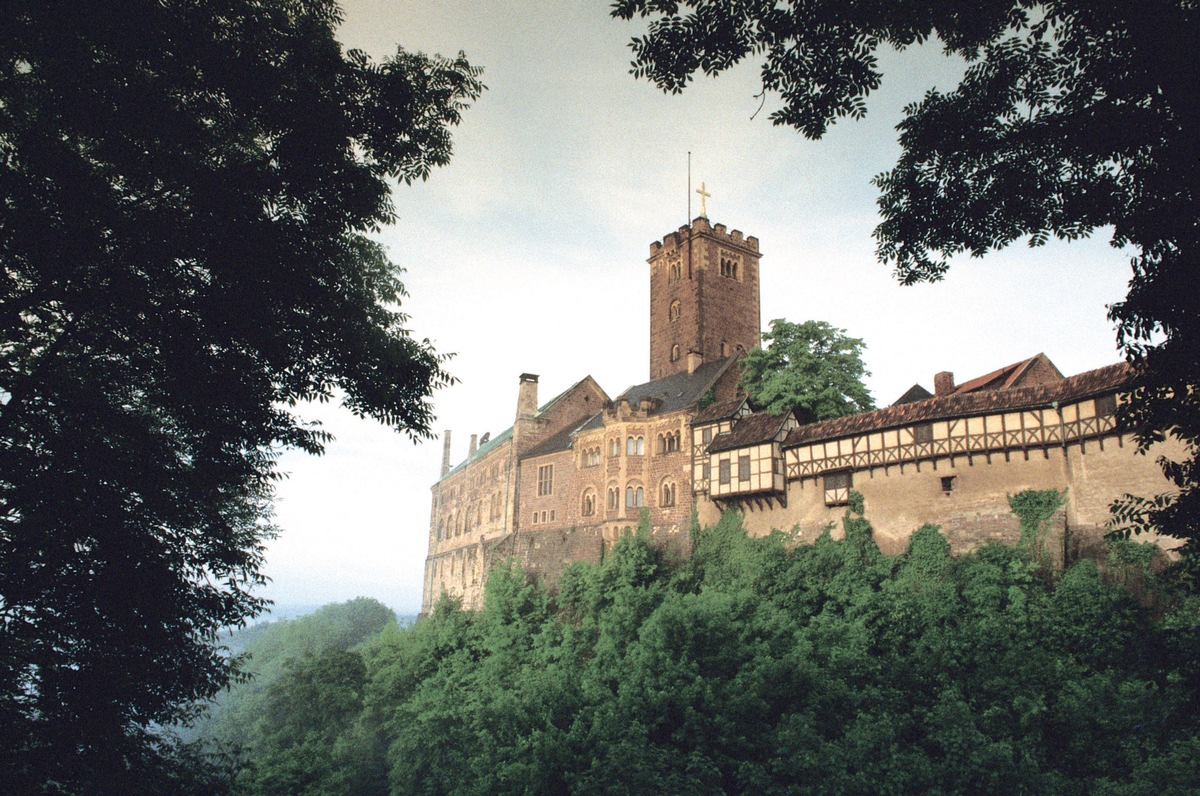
(702, 436)
(958, 473)
(1006, 434)
(758, 468)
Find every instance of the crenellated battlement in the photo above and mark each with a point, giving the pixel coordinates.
(700, 226)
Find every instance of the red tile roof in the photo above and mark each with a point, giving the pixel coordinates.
(753, 429)
(718, 411)
(1003, 378)
(1085, 385)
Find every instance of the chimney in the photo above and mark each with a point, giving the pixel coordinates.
(474, 445)
(695, 360)
(943, 383)
(527, 396)
(446, 453)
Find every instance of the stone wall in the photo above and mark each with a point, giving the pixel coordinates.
(968, 496)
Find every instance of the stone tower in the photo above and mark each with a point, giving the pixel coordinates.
(703, 297)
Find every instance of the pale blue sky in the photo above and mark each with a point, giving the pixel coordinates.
(527, 254)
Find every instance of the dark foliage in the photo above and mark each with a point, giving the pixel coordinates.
(758, 666)
(1073, 116)
(186, 190)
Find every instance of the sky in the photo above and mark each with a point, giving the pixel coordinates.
(527, 254)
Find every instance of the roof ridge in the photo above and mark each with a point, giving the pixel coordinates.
(1081, 385)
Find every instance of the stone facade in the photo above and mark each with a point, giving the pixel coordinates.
(569, 477)
(703, 296)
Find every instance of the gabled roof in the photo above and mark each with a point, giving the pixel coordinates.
(754, 429)
(671, 393)
(506, 434)
(1005, 378)
(1085, 385)
(913, 393)
(719, 411)
(560, 441)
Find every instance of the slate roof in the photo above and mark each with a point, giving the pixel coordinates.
(753, 429)
(506, 434)
(1084, 385)
(553, 444)
(674, 392)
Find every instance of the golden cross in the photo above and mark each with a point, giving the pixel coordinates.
(703, 195)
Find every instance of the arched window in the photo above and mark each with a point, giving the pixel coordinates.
(631, 446)
(675, 311)
(676, 272)
(724, 348)
(675, 353)
(614, 447)
(635, 497)
(667, 497)
(641, 446)
(614, 498)
(589, 504)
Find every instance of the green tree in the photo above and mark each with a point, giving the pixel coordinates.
(1073, 116)
(811, 367)
(188, 192)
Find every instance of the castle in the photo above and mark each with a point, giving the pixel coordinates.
(575, 472)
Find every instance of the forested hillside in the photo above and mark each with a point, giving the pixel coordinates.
(754, 666)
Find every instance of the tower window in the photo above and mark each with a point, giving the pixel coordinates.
(729, 268)
(675, 271)
(675, 311)
(675, 353)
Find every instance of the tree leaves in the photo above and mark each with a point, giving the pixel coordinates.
(810, 368)
(759, 665)
(183, 259)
